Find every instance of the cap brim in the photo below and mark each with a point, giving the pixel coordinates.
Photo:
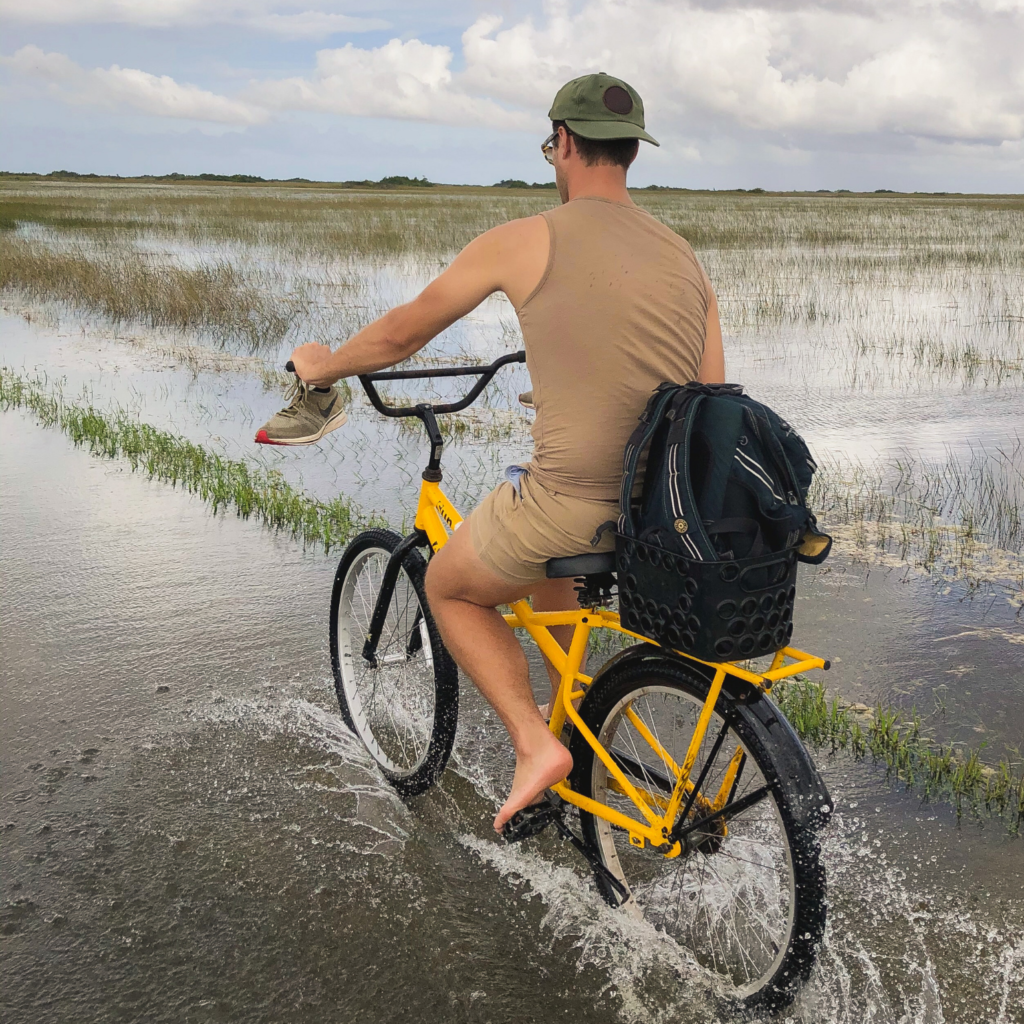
(610, 130)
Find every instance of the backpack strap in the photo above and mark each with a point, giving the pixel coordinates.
(773, 449)
(736, 526)
(720, 423)
(638, 443)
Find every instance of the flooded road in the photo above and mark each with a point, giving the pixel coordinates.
(190, 833)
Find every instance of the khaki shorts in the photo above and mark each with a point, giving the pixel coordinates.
(516, 532)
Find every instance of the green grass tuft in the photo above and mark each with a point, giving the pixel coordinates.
(890, 736)
(251, 491)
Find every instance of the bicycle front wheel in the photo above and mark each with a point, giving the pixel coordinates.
(405, 708)
(746, 893)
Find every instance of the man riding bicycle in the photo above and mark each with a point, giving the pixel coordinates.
(611, 303)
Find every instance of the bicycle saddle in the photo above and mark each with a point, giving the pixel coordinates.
(581, 565)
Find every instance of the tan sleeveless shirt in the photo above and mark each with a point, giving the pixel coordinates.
(622, 306)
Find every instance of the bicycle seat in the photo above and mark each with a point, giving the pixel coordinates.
(581, 565)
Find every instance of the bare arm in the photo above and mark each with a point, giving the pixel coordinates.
(501, 259)
(712, 364)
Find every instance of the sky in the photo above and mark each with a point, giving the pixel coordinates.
(911, 95)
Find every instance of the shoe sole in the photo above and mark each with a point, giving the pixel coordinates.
(332, 424)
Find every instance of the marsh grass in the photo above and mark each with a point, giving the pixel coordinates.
(957, 519)
(900, 272)
(897, 739)
(481, 426)
(213, 299)
(958, 355)
(198, 359)
(251, 491)
(324, 223)
(889, 289)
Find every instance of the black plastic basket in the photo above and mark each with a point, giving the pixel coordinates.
(716, 611)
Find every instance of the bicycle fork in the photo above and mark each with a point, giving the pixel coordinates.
(387, 588)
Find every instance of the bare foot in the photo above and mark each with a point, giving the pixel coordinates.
(534, 773)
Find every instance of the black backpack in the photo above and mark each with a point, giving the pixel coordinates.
(713, 526)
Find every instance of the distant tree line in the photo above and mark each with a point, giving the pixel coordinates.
(402, 181)
(391, 181)
(519, 183)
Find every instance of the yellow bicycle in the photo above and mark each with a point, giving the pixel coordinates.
(698, 805)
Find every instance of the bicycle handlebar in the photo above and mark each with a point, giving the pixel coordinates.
(485, 374)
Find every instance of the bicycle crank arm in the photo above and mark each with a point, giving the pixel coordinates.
(531, 821)
(590, 855)
(730, 810)
(387, 587)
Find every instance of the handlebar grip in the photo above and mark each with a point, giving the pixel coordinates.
(290, 366)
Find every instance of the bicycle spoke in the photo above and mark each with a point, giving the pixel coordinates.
(395, 700)
(728, 894)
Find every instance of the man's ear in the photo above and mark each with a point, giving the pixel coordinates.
(636, 152)
(566, 138)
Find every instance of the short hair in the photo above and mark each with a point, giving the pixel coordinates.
(619, 152)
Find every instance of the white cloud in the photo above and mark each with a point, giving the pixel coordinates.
(313, 24)
(159, 96)
(275, 16)
(795, 72)
(132, 12)
(935, 69)
(408, 80)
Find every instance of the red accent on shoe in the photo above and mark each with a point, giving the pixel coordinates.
(261, 438)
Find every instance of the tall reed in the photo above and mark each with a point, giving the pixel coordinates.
(214, 299)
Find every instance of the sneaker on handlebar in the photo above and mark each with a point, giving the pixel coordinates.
(311, 414)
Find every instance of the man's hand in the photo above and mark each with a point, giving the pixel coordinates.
(314, 363)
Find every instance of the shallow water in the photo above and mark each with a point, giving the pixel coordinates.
(224, 850)
(192, 834)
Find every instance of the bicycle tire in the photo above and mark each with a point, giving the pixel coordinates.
(761, 848)
(406, 709)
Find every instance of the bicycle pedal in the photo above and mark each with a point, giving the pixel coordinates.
(530, 821)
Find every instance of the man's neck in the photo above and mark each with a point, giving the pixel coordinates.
(602, 181)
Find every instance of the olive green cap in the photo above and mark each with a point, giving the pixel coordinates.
(601, 107)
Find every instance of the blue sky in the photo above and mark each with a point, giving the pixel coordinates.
(862, 94)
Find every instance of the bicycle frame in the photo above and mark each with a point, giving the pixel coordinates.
(661, 820)
(437, 519)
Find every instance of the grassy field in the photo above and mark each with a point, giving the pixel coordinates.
(911, 282)
(889, 329)
(876, 295)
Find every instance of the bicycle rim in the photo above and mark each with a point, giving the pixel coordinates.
(392, 706)
(731, 895)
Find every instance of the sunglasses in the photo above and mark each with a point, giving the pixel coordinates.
(547, 147)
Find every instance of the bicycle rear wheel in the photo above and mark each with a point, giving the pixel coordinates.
(405, 709)
(747, 896)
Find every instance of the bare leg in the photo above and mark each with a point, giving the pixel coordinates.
(464, 595)
(556, 596)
